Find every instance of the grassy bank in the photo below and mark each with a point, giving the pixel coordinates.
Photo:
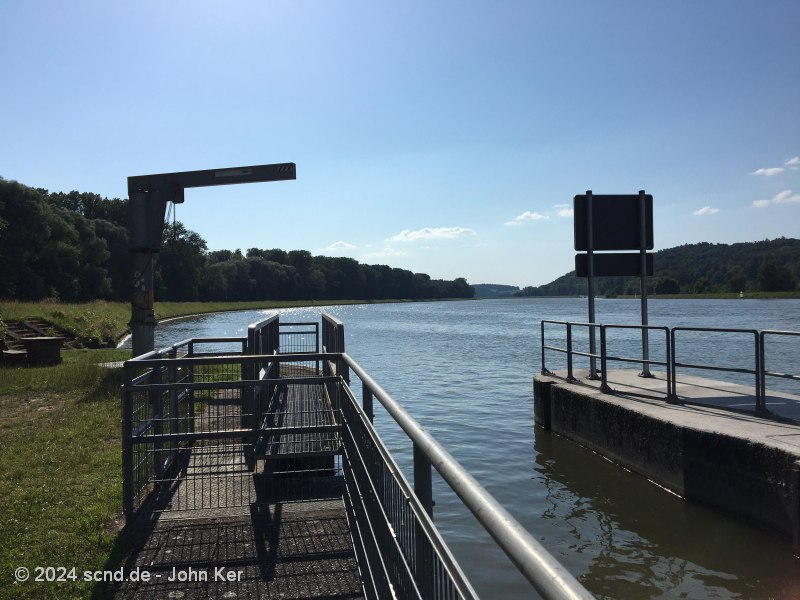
(60, 470)
(101, 324)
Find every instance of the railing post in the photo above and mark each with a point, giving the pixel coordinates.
(174, 416)
(673, 361)
(569, 353)
(761, 405)
(423, 482)
(157, 408)
(366, 402)
(423, 489)
(671, 397)
(544, 369)
(127, 445)
(604, 374)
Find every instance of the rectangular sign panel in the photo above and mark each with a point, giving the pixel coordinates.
(615, 264)
(615, 222)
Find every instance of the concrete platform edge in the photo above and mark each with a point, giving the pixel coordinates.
(745, 476)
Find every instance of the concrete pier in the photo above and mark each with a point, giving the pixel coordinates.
(731, 459)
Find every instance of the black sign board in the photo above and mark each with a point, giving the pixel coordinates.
(615, 223)
(613, 264)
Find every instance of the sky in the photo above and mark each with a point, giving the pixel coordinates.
(444, 137)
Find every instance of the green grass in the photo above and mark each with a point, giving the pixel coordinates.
(60, 470)
(102, 324)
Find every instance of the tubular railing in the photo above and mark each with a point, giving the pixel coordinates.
(762, 338)
(569, 351)
(605, 357)
(544, 572)
(759, 371)
(755, 371)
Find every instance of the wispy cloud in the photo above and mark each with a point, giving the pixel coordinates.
(706, 210)
(527, 216)
(786, 197)
(563, 210)
(339, 246)
(768, 171)
(386, 253)
(793, 164)
(431, 233)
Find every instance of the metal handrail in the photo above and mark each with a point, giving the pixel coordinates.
(756, 372)
(546, 574)
(763, 359)
(604, 357)
(759, 370)
(568, 350)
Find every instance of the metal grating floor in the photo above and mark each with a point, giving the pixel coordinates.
(299, 405)
(219, 530)
(293, 551)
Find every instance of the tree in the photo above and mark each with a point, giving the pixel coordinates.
(180, 262)
(773, 277)
(735, 279)
(666, 285)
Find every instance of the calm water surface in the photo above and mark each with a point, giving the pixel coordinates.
(464, 369)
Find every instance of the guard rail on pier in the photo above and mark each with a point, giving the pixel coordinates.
(756, 369)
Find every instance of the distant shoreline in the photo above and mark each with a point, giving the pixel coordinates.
(717, 296)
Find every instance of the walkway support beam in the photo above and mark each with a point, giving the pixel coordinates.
(149, 195)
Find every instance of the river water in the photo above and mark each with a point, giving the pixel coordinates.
(464, 370)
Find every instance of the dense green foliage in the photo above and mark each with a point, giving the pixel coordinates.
(766, 266)
(74, 247)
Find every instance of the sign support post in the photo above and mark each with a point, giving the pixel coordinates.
(590, 285)
(643, 279)
(604, 225)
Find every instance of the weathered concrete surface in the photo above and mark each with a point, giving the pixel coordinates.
(733, 460)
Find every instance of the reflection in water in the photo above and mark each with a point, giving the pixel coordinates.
(648, 543)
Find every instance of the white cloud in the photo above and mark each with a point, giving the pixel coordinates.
(431, 233)
(527, 216)
(386, 253)
(768, 172)
(793, 163)
(786, 197)
(760, 203)
(339, 246)
(706, 210)
(565, 212)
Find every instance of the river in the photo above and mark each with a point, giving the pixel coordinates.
(464, 370)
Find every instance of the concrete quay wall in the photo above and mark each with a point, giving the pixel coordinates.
(719, 459)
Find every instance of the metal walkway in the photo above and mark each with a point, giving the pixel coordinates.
(255, 473)
(225, 530)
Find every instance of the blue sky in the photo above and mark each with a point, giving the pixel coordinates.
(442, 137)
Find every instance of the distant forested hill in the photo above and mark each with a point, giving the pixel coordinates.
(494, 290)
(769, 266)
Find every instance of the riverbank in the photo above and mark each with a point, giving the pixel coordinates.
(101, 324)
(59, 471)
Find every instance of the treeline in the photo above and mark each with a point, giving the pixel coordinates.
(74, 247)
(765, 266)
